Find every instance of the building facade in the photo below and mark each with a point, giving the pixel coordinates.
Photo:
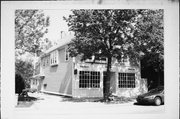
(72, 77)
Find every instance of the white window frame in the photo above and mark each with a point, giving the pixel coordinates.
(54, 58)
(126, 80)
(89, 79)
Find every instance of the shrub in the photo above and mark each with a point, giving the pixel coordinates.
(19, 84)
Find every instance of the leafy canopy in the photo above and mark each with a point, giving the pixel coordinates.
(30, 27)
(150, 34)
(24, 68)
(101, 32)
(117, 33)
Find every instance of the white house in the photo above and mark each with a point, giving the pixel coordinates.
(61, 74)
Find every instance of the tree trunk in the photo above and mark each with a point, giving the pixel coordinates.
(107, 80)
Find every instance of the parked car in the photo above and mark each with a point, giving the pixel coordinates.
(154, 96)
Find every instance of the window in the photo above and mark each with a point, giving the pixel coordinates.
(66, 54)
(126, 80)
(89, 79)
(54, 58)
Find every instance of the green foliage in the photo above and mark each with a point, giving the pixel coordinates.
(103, 33)
(30, 27)
(150, 34)
(19, 84)
(24, 69)
(120, 34)
(137, 34)
(46, 45)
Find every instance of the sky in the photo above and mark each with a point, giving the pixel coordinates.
(57, 24)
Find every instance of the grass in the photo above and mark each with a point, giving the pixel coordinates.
(114, 100)
(71, 99)
(27, 101)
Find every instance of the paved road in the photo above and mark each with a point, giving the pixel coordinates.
(52, 107)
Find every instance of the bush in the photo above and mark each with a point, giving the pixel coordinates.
(19, 84)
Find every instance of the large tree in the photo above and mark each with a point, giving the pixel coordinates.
(111, 34)
(30, 27)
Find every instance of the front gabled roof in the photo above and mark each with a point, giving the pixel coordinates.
(59, 46)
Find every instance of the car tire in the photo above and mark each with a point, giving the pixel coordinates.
(157, 101)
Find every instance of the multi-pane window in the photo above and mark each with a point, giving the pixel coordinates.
(89, 79)
(126, 80)
(54, 58)
(45, 61)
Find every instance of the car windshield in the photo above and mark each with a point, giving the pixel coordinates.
(157, 89)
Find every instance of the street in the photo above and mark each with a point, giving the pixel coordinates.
(51, 107)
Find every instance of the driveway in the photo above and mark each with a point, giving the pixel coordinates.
(52, 107)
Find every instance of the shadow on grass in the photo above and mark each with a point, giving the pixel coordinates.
(114, 100)
(27, 98)
(27, 101)
(24, 104)
(69, 99)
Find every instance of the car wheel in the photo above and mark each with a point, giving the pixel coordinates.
(157, 101)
